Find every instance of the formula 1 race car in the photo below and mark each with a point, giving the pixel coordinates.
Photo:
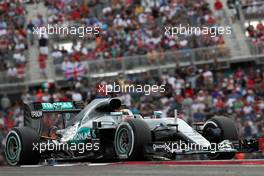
(104, 130)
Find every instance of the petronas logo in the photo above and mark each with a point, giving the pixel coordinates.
(82, 134)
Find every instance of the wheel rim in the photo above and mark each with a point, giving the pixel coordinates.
(124, 142)
(13, 149)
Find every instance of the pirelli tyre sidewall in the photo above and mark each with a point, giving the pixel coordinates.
(130, 139)
(19, 147)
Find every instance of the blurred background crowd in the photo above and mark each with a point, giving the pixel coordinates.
(13, 39)
(131, 30)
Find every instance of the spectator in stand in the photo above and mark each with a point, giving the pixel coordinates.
(12, 73)
(199, 116)
(42, 64)
(218, 7)
(76, 96)
(30, 30)
(256, 35)
(5, 103)
(43, 45)
(233, 6)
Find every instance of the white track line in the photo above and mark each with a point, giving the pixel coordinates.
(99, 164)
(31, 166)
(66, 165)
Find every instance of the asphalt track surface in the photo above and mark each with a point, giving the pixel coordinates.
(206, 168)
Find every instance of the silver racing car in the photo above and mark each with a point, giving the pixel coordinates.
(105, 130)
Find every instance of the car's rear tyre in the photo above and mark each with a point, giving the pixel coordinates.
(224, 129)
(19, 147)
(131, 137)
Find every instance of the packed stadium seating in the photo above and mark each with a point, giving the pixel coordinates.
(253, 9)
(126, 30)
(13, 41)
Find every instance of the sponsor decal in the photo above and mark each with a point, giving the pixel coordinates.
(57, 106)
(36, 114)
(83, 134)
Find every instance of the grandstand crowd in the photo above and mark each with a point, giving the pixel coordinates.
(131, 28)
(13, 39)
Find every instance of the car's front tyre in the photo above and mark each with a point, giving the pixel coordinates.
(131, 137)
(218, 129)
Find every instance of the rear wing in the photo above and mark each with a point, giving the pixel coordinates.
(33, 112)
